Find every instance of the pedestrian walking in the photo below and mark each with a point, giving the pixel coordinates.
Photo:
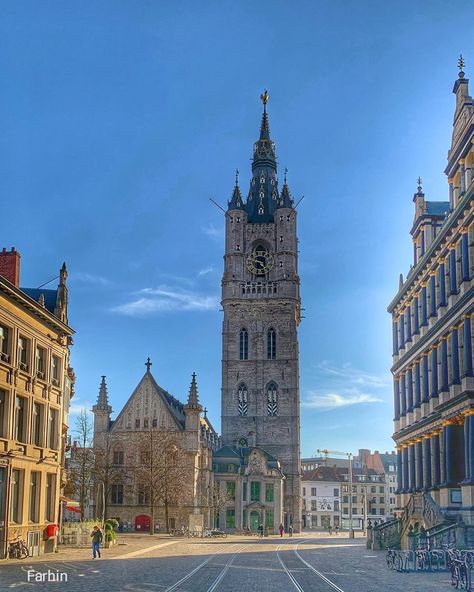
(330, 529)
(281, 528)
(337, 530)
(260, 531)
(290, 530)
(96, 536)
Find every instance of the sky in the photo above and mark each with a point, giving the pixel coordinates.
(121, 119)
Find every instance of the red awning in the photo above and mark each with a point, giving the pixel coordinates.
(71, 509)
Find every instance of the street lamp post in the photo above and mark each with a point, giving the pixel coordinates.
(349, 456)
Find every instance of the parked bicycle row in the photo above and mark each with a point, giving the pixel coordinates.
(458, 562)
(207, 532)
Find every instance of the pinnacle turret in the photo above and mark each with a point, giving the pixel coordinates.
(461, 90)
(60, 309)
(193, 398)
(103, 398)
(236, 201)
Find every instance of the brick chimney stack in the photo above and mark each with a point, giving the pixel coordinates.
(10, 266)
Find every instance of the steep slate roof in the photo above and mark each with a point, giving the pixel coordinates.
(263, 198)
(174, 406)
(323, 473)
(50, 297)
(238, 457)
(437, 208)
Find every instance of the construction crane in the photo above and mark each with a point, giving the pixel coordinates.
(349, 455)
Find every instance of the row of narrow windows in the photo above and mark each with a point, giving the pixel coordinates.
(244, 344)
(445, 364)
(272, 399)
(433, 295)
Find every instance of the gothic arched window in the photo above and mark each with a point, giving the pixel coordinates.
(272, 399)
(271, 344)
(243, 400)
(244, 344)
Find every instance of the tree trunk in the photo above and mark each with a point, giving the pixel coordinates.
(166, 517)
(152, 519)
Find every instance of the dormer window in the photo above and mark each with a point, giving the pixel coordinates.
(262, 180)
(260, 210)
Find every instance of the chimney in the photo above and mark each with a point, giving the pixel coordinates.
(10, 266)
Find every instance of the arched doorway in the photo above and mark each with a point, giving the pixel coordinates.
(254, 520)
(142, 523)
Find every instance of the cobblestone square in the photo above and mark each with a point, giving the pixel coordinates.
(246, 564)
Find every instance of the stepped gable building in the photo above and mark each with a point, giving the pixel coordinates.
(432, 342)
(260, 358)
(150, 407)
(36, 384)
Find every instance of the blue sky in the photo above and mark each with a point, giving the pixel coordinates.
(119, 120)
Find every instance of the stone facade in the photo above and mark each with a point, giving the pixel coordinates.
(432, 339)
(250, 483)
(261, 302)
(36, 385)
(152, 409)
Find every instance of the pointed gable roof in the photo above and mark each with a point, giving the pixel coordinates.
(174, 407)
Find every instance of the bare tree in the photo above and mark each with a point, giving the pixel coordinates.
(220, 499)
(107, 471)
(163, 471)
(81, 462)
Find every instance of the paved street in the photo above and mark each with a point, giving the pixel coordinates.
(304, 564)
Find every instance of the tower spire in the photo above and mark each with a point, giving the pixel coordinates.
(265, 125)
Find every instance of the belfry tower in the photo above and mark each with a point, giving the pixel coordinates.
(261, 302)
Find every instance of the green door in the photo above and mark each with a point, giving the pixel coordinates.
(254, 520)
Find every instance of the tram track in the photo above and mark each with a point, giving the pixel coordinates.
(217, 580)
(326, 585)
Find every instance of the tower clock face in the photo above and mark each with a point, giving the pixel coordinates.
(260, 261)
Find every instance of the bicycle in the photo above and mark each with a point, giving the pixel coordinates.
(391, 554)
(422, 560)
(18, 549)
(460, 574)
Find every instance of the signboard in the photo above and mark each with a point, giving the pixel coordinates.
(325, 503)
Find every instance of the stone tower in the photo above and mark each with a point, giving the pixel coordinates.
(261, 303)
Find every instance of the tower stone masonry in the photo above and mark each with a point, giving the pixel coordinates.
(261, 303)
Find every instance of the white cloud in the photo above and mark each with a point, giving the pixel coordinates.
(205, 271)
(88, 278)
(350, 375)
(213, 232)
(167, 299)
(332, 400)
(345, 386)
